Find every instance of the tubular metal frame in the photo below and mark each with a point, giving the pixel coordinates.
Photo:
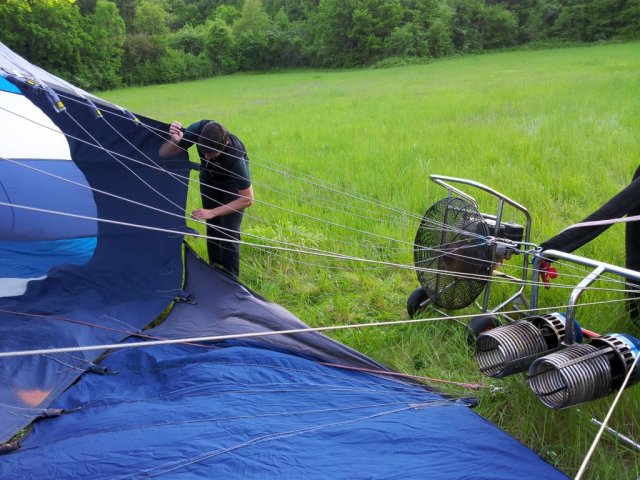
(445, 181)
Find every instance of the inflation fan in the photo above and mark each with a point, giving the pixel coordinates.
(457, 248)
(456, 251)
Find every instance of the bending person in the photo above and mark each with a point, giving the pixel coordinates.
(225, 185)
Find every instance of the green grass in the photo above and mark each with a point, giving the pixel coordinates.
(556, 130)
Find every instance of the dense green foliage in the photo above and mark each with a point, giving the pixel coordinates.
(100, 44)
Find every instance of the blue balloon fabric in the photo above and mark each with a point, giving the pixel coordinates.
(193, 412)
(105, 260)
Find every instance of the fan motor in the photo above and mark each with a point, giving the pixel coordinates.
(455, 251)
(506, 230)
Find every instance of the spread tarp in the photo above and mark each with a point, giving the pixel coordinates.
(261, 408)
(189, 412)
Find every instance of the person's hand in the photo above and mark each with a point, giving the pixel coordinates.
(202, 214)
(175, 132)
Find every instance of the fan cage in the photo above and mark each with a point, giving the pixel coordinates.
(451, 253)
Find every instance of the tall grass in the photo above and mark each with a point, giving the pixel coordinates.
(556, 130)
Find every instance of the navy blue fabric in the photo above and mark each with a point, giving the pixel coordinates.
(220, 305)
(132, 276)
(261, 408)
(256, 410)
(237, 413)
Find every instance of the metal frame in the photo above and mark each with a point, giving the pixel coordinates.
(445, 181)
(599, 268)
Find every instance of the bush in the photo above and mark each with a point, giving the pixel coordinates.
(220, 47)
(189, 39)
(173, 66)
(390, 62)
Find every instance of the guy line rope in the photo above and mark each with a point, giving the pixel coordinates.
(297, 249)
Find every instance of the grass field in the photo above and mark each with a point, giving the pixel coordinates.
(341, 163)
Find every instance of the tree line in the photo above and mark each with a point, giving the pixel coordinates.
(104, 44)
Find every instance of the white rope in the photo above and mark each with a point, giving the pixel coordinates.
(306, 249)
(216, 338)
(156, 167)
(124, 199)
(589, 454)
(437, 225)
(597, 223)
(112, 155)
(178, 464)
(92, 189)
(296, 175)
(316, 182)
(299, 249)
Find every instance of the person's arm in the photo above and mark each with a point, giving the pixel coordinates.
(170, 147)
(245, 200)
